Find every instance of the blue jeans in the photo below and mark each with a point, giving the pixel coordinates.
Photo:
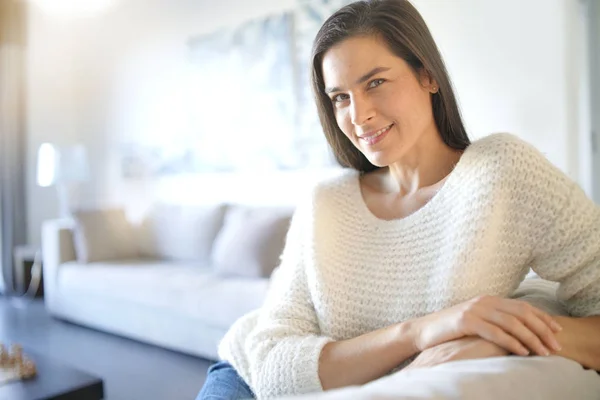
(224, 383)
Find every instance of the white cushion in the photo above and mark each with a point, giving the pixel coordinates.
(251, 241)
(181, 233)
(101, 235)
(541, 294)
(184, 289)
(496, 378)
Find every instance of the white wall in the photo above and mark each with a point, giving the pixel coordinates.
(514, 65)
(101, 80)
(593, 8)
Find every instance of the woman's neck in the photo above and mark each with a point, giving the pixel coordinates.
(424, 170)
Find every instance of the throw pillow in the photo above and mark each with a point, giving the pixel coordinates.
(100, 235)
(251, 241)
(180, 232)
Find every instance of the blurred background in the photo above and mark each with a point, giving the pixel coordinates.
(117, 106)
(167, 100)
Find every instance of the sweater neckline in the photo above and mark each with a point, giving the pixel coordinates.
(442, 192)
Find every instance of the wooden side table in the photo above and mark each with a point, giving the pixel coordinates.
(24, 259)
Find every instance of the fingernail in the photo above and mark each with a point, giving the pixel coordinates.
(556, 346)
(524, 351)
(545, 351)
(556, 326)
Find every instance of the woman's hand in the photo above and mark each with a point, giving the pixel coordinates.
(513, 325)
(466, 348)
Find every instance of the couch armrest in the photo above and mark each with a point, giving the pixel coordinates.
(57, 248)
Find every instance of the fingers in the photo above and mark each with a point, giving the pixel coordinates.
(540, 324)
(524, 323)
(492, 333)
(548, 319)
(532, 332)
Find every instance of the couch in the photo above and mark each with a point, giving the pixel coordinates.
(178, 278)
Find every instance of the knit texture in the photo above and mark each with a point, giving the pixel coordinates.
(344, 272)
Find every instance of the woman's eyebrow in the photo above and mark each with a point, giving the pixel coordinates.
(360, 80)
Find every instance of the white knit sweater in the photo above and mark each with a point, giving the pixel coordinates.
(344, 272)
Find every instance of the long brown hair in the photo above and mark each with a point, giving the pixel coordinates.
(401, 26)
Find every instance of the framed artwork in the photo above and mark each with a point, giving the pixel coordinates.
(250, 100)
(243, 93)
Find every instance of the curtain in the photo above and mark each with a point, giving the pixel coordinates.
(13, 224)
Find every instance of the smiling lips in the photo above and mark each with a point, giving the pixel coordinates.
(374, 137)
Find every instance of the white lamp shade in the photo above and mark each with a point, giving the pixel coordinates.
(64, 166)
(46, 165)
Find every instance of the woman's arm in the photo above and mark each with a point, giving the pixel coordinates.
(467, 348)
(580, 340)
(500, 325)
(288, 354)
(563, 228)
(365, 358)
(282, 347)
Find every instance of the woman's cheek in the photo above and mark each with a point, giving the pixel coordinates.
(343, 122)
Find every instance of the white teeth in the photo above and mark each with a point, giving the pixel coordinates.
(378, 133)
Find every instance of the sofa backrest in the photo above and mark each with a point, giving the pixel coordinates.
(236, 240)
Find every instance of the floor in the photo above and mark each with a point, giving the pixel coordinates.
(131, 370)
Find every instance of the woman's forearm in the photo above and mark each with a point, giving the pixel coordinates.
(367, 357)
(580, 340)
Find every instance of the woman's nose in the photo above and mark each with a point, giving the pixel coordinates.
(361, 110)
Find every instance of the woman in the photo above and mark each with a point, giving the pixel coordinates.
(417, 248)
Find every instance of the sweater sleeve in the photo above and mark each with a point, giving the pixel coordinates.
(284, 346)
(565, 225)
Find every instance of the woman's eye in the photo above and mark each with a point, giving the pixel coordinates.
(339, 98)
(375, 83)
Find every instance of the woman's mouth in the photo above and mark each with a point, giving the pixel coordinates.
(377, 136)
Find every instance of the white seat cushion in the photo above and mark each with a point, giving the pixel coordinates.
(174, 287)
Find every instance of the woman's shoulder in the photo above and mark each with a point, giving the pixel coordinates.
(506, 152)
(333, 184)
(502, 145)
(340, 181)
(515, 163)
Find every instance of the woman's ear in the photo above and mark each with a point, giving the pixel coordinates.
(427, 81)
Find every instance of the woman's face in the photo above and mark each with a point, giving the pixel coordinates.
(378, 102)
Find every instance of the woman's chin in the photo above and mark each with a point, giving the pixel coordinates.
(378, 160)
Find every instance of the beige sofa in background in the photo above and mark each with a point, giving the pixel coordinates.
(179, 279)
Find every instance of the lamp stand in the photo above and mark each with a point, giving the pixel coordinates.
(64, 199)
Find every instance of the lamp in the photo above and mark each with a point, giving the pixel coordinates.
(64, 169)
